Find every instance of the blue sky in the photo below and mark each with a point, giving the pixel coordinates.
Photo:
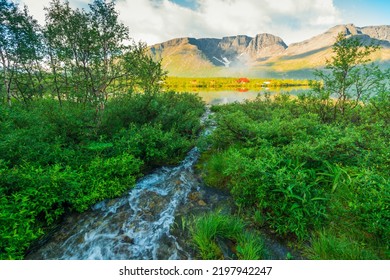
(192, 4)
(365, 12)
(154, 21)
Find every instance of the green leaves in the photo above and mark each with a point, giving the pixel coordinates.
(210, 230)
(56, 159)
(79, 55)
(300, 174)
(336, 175)
(348, 80)
(84, 49)
(21, 51)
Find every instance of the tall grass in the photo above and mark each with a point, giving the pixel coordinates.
(207, 229)
(250, 246)
(328, 246)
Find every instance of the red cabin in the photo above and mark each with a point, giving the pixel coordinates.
(243, 80)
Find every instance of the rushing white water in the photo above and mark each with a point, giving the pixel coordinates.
(136, 226)
(139, 225)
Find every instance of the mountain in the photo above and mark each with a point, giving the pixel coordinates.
(190, 55)
(263, 55)
(377, 32)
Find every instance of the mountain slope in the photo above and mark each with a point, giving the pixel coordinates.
(313, 52)
(265, 54)
(182, 57)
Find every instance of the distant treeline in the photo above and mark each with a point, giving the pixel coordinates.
(179, 83)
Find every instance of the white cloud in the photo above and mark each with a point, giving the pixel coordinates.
(36, 8)
(293, 20)
(154, 21)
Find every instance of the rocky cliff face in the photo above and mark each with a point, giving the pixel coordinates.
(228, 48)
(265, 45)
(237, 44)
(377, 32)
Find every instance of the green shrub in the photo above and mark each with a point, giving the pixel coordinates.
(55, 159)
(34, 198)
(153, 144)
(301, 174)
(370, 202)
(285, 192)
(173, 111)
(106, 178)
(214, 171)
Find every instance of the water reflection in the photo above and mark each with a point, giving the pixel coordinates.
(230, 96)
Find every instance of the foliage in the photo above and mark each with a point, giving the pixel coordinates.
(380, 101)
(328, 246)
(170, 109)
(142, 71)
(86, 51)
(300, 174)
(110, 124)
(21, 53)
(208, 229)
(250, 246)
(347, 80)
(78, 55)
(55, 159)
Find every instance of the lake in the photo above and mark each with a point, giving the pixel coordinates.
(230, 96)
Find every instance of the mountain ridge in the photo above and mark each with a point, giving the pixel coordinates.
(264, 53)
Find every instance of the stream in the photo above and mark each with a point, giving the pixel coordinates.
(137, 226)
(149, 223)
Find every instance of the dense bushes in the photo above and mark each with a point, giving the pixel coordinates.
(98, 136)
(304, 175)
(55, 159)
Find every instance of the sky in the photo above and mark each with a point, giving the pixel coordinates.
(156, 21)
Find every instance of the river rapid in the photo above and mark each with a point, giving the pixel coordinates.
(138, 225)
(151, 222)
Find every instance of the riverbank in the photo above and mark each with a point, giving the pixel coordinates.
(180, 84)
(323, 187)
(58, 159)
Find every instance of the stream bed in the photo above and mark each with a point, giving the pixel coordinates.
(149, 223)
